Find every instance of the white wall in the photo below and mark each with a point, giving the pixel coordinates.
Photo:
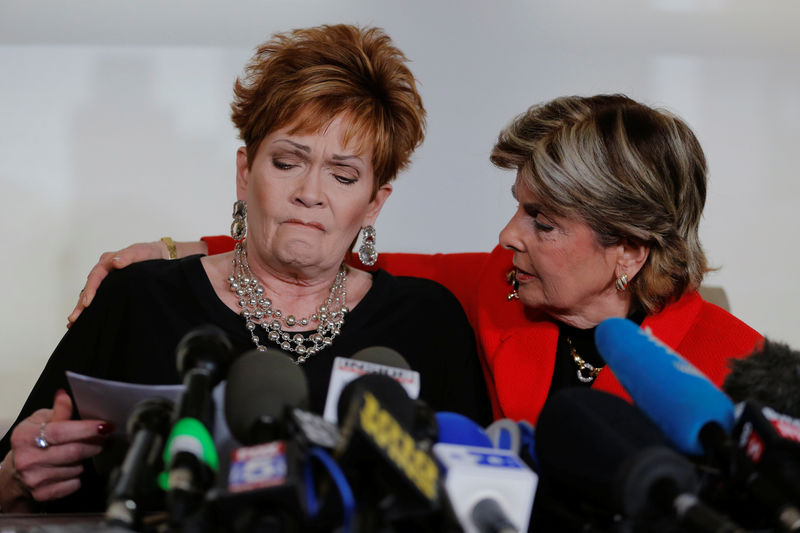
(114, 129)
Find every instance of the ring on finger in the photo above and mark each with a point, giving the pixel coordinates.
(41, 440)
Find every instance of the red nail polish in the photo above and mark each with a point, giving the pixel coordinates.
(104, 428)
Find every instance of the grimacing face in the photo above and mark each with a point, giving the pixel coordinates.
(307, 197)
(561, 267)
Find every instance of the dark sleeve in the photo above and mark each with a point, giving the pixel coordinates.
(452, 377)
(79, 350)
(76, 351)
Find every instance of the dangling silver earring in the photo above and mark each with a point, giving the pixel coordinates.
(367, 252)
(622, 282)
(239, 224)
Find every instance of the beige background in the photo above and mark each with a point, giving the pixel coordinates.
(114, 129)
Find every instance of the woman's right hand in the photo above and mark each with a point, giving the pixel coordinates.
(53, 471)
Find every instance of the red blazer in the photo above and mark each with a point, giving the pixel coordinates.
(517, 345)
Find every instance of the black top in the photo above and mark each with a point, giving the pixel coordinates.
(565, 373)
(140, 313)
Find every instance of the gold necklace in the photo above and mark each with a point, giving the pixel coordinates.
(586, 371)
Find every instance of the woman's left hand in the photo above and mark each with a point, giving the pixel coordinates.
(48, 449)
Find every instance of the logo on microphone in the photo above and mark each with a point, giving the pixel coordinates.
(399, 446)
(256, 467)
(679, 363)
(786, 426)
(495, 460)
(752, 443)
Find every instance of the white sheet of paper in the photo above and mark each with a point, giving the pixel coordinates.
(104, 399)
(113, 401)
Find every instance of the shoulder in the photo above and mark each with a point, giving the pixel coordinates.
(722, 327)
(691, 320)
(158, 268)
(413, 290)
(704, 333)
(139, 276)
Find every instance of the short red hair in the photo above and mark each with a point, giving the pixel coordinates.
(309, 76)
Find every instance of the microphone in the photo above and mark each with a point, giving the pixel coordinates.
(267, 399)
(769, 449)
(455, 428)
(382, 355)
(148, 425)
(769, 376)
(261, 387)
(598, 445)
(489, 489)
(696, 415)
(666, 386)
(270, 483)
(370, 360)
(394, 477)
(264, 479)
(518, 437)
(203, 357)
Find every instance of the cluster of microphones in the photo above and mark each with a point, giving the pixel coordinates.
(682, 457)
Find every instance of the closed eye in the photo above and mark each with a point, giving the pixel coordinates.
(282, 165)
(345, 180)
(540, 221)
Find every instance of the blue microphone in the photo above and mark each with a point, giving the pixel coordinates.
(668, 388)
(489, 488)
(691, 411)
(455, 428)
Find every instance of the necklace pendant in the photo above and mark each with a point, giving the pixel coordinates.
(586, 371)
(590, 369)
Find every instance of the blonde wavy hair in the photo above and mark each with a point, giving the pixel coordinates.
(631, 172)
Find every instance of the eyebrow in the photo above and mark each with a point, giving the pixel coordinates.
(533, 208)
(301, 147)
(307, 150)
(337, 157)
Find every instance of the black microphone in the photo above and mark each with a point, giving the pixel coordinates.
(599, 446)
(769, 463)
(135, 484)
(261, 387)
(370, 360)
(394, 396)
(394, 478)
(270, 483)
(269, 400)
(769, 376)
(203, 357)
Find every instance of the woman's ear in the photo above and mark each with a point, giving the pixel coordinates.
(376, 204)
(632, 257)
(242, 173)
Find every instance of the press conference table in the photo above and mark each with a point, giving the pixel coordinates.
(66, 522)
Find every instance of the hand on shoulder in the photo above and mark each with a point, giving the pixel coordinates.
(143, 251)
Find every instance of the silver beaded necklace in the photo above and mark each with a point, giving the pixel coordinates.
(258, 311)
